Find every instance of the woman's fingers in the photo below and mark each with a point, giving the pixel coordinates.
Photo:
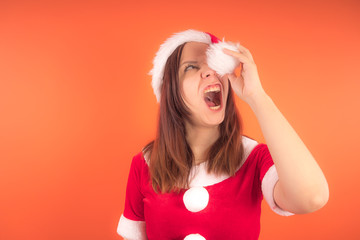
(241, 57)
(235, 80)
(231, 52)
(236, 83)
(231, 77)
(244, 52)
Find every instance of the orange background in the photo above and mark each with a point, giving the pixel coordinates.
(76, 104)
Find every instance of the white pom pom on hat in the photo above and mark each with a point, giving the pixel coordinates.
(216, 58)
(219, 61)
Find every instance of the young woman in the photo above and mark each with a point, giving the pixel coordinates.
(201, 178)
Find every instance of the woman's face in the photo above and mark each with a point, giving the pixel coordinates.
(203, 91)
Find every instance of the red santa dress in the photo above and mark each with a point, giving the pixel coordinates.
(214, 207)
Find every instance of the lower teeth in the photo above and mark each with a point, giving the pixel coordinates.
(215, 107)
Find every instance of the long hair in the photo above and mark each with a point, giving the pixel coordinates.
(169, 156)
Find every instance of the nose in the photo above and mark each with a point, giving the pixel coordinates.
(207, 73)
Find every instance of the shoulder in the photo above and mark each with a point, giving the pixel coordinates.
(249, 145)
(257, 154)
(253, 147)
(258, 157)
(138, 158)
(139, 171)
(138, 162)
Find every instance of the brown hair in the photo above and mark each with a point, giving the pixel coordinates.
(169, 156)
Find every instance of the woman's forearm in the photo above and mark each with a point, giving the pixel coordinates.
(302, 186)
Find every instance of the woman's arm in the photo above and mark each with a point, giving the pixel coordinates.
(302, 187)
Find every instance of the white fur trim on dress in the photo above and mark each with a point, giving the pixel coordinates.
(199, 177)
(267, 187)
(217, 59)
(131, 230)
(249, 145)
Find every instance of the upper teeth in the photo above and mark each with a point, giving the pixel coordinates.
(215, 88)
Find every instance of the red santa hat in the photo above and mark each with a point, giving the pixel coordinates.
(216, 58)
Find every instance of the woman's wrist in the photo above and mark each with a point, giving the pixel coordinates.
(257, 100)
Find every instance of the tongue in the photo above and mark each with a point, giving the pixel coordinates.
(212, 99)
(209, 102)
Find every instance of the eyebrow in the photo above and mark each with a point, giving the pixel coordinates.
(188, 62)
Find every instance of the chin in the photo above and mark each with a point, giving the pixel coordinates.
(215, 119)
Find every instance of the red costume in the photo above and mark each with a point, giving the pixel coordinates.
(215, 207)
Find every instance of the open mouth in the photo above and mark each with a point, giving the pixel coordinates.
(212, 96)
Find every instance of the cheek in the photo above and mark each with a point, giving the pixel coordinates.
(189, 90)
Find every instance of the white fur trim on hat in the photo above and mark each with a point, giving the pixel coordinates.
(218, 60)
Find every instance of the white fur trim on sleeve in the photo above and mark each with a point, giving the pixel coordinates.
(267, 187)
(131, 230)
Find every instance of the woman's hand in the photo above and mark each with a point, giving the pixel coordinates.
(247, 86)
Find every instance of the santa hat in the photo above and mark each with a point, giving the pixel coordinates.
(220, 62)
